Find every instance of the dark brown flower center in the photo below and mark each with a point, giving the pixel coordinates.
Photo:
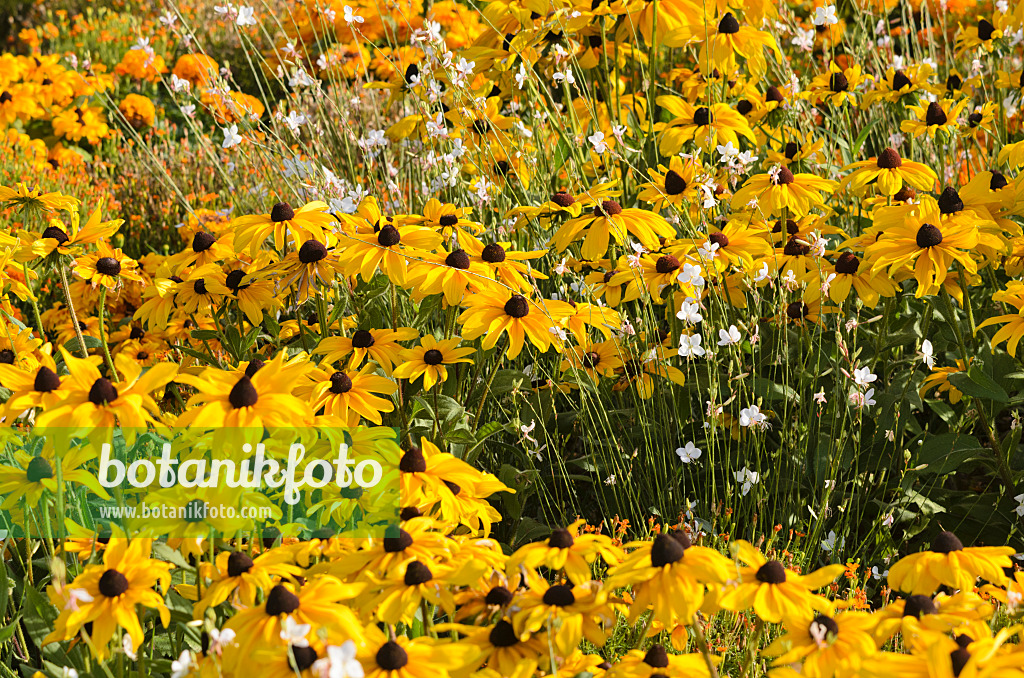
(38, 469)
(929, 236)
(889, 159)
(302, 657)
(831, 627)
(108, 266)
(312, 251)
(340, 383)
(744, 107)
(796, 247)
(389, 236)
(498, 596)
(56, 233)
(848, 263)
(563, 198)
(702, 117)
(493, 253)
(674, 183)
(905, 194)
(113, 583)
(399, 543)
(784, 177)
(458, 259)
(7, 357)
(666, 264)
(433, 357)
(997, 181)
(900, 80)
(199, 286)
(202, 241)
(985, 29)
(417, 573)
(949, 201)
(728, 24)
(791, 149)
(796, 310)
(46, 380)
(282, 211)
(935, 116)
(454, 488)
(958, 658)
(772, 572)
(243, 394)
(413, 461)
(238, 564)
(559, 595)
(448, 220)
(838, 82)
(281, 601)
(918, 605)
(720, 239)
(560, 538)
(391, 656)
(666, 550)
(656, 657)
(946, 542)
(773, 93)
(102, 392)
(607, 208)
(503, 635)
(517, 306)
(954, 82)
(254, 366)
(591, 359)
(362, 339)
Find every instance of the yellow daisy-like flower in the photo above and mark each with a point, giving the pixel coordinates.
(780, 189)
(951, 564)
(836, 86)
(936, 116)
(380, 346)
(108, 267)
(889, 172)
(429, 360)
(569, 551)
(609, 220)
(306, 223)
(707, 126)
(825, 646)
(925, 247)
(349, 395)
(518, 316)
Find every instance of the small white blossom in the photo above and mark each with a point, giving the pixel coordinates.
(730, 337)
(689, 453)
(689, 346)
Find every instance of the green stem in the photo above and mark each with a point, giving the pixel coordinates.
(71, 309)
(103, 336)
(34, 302)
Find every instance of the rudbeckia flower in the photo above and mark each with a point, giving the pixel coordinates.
(889, 172)
(421, 657)
(310, 270)
(825, 646)
(23, 486)
(451, 274)
(569, 551)
(106, 595)
(595, 359)
(921, 619)
(108, 267)
(57, 237)
(239, 576)
(951, 564)
(306, 223)
(938, 382)
(673, 185)
(774, 592)
(609, 220)
(430, 359)
(571, 612)
(521, 318)
(389, 249)
(707, 126)
(656, 661)
(836, 86)
(380, 346)
(780, 190)
(936, 116)
(926, 247)
(349, 395)
(30, 388)
(501, 647)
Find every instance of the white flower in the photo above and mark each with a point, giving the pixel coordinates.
(691, 275)
(188, 110)
(928, 354)
(803, 39)
(819, 633)
(219, 639)
(825, 16)
(878, 575)
(527, 430)
(708, 251)
(730, 337)
(689, 346)
(829, 542)
(76, 596)
(689, 312)
(294, 633)
(819, 397)
(762, 273)
(558, 332)
(128, 647)
(340, 662)
(183, 666)
(752, 416)
(747, 479)
(351, 17)
(888, 520)
(728, 152)
(862, 400)
(521, 75)
(610, 480)
(179, 84)
(597, 142)
(246, 16)
(231, 136)
(294, 121)
(689, 453)
(561, 268)
(1020, 504)
(863, 376)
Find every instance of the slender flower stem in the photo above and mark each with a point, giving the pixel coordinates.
(103, 335)
(35, 303)
(702, 646)
(71, 309)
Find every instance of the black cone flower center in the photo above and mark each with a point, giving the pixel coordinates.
(454, 488)
(281, 601)
(563, 199)
(517, 306)
(57, 234)
(946, 542)
(502, 635)
(340, 383)
(560, 538)
(7, 357)
(838, 82)
(796, 248)
(399, 543)
(954, 82)
(391, 656)
(433, 357)
(113, 583)
(238, 564)
(448, 220)
(389, 236)
(498, 596)
(918, 605)
(417, 573)
(656, 657)
(559, 595)
(791, 149)
(666, 550)
(108, 266)
(949, 201)
(889, 159)
(254, 366)
(38, 469)
(831, 627)
(243, 394)
(413, 461)
(929, 236)
(282, 211)
(985, 29)
(457, 259)
(773, 93)
(302, 657)
(312, 251)
(728, 24)
(935, 116)
(772, 572)
(202, 241)
(900, 80)
(785, 177)
(959, 658)
(674, 184)
(796, 310)
(997, 181)
(46, 380)
(744, 107)
(702, 117)
(233, 280)
(720, 239)
(493, 253)
(362, 339)
(848, 263)
(607, 208)
(199, 286)
(102, 392)
(666, 264)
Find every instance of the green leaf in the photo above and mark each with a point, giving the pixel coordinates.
(943, 454)
(74, 348)
(8, 631)
(977, 384)
(770, 391)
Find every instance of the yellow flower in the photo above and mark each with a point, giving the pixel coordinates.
(949, 563)
(429, 360)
